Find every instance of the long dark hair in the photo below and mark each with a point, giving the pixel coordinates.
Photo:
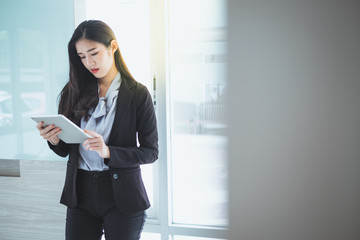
(81, 92)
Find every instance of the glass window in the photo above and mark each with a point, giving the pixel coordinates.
(150, 236)
(33, 69)
(4, 55)
(178, 237)
(197, 108)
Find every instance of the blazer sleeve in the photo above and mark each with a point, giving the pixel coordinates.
(62, 149)
(146, 126)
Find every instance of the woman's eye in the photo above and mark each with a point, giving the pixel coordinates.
(82, 57)
(93, 54)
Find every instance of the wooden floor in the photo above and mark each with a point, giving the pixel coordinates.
(29, 204)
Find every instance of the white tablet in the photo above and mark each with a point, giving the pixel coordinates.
(70, 133)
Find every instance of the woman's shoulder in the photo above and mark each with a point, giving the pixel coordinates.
(135, 85)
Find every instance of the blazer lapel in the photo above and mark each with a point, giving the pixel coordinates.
(124, 99)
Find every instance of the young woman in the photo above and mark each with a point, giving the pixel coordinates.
(104, 191)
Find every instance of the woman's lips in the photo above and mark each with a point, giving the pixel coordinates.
(94, 70)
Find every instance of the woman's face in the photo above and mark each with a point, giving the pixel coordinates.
(96, 57)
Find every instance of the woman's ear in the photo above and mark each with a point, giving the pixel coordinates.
(114, 46)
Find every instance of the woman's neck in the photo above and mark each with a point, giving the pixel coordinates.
(105, 82)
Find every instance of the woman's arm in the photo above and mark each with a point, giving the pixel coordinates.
(62, 149)
(146, 126)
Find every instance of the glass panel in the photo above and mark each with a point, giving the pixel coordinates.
(197, 90)
(33, 69)
(150, 236)
(4, 56)
(134, 44)
(6, 104)
(177, 237)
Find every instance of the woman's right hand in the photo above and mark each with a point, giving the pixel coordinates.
(49, 132)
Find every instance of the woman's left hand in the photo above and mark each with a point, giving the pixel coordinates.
(96, 144)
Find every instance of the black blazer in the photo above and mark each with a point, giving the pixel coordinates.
(134, 117)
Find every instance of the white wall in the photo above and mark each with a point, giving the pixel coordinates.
(294, 77)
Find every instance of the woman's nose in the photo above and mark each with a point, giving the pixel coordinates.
(89, 61)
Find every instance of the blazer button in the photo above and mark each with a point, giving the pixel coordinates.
(115, 176)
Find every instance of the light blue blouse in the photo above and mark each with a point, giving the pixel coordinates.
(100, 121)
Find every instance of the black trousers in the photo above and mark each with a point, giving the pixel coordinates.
(97, 214)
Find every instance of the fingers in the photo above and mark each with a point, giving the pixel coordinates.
(96, 143)
(40, 125)
(102, 150)
(95, 137)
(92, 143)
(94, 148)
(92, 133)
(93, 140)
(45, 129)
(54, 134)
(49, 132)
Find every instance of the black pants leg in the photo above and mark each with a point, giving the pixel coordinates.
(96, 212)
(82, 225)
(118, 226)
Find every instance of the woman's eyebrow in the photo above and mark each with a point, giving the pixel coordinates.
(88, 50)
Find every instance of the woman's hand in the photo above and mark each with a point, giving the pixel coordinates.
(96, 144)
(49, 132)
